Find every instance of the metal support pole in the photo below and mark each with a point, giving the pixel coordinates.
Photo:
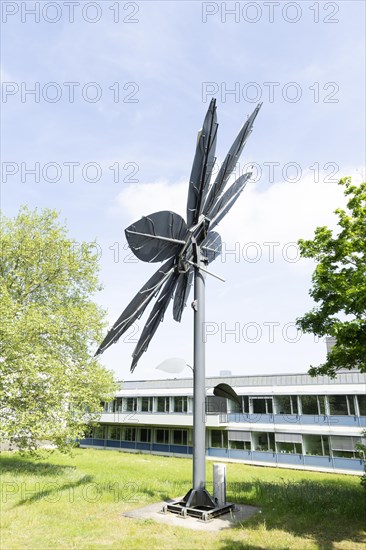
(199, 389)
(198, 502)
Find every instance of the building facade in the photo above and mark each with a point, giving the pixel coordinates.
(291, 421)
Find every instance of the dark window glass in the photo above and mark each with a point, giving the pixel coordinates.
(325, 441)
(344, 454)
(283, 403)
(362, 404)
(321, 404)
(298, 448)
(145, 435)
(131, 404)
(114, 432)
(146, 404)
(291, 448)
(283, 447)
(216, 405)
(246, 404)
(351, 405)
(313, 444)
(180, 404)
(163, 404)
(309, 404)
(243, 445)
(316, 445)
(162, 436)
(216, 439)
(180, 437)
(129, 434)
(259, 406)
(338, 404)
(260, 441)
(99, 432)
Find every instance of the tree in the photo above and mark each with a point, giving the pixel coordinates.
(51, 385)
(361, 448)
(339, 284)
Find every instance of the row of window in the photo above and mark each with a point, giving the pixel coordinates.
(321, 445)
(148, 404)
(144, 435)
(331, 405)
(318, 445)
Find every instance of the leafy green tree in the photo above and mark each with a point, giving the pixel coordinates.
(51, 386)
(339, 284)
(361, 448)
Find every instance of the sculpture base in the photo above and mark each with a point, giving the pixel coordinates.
(199, 504)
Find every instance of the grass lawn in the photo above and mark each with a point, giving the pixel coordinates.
(76, 502)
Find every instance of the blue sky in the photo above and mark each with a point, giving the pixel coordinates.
(310, 132)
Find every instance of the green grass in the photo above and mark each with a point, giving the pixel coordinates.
(76, 501)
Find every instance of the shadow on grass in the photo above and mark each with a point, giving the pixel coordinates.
(327, 512)
(21, 466)
(228, 544)
(54, 490)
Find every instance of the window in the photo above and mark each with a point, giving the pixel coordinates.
(129, 434)
(219, 438)
(263, 441)
(344, 446)
(216, 405)
(351, 404)
(162, 436)
(286, 404)
(262, 405)
(313, 404)
(321, 404)
(145, 435)
(338, 404)
(309, 404)
(180, 437)
(180, 404)
(114, 432)
(259, 406)
(243, 445)
(163, 404)
(362, 404)
(316, 445)
(99, 432)
(146, 404)
(245, 404)
(283, 404)
(345, 454)
(291, 448)
(130, 404)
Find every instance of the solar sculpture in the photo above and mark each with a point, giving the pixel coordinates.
(186, 248)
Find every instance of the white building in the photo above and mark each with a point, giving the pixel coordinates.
(289, 420)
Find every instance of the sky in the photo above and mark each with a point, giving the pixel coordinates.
(101, 104)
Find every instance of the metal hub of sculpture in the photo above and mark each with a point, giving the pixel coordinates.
(186, 248)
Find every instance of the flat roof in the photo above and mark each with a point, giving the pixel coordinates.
(259, 381)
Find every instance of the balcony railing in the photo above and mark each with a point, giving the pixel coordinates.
(311, 461)
(304, 419)
(138, 445)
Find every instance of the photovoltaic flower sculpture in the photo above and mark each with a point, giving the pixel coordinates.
(183, 246)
